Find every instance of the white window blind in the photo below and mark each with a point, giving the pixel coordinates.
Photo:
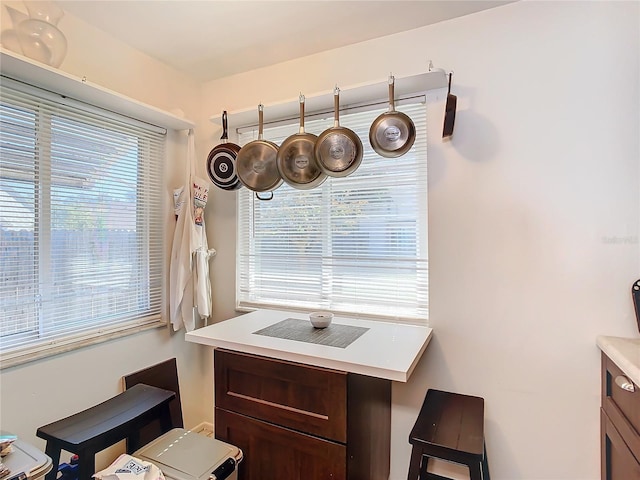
(355, 245)
(81, 250)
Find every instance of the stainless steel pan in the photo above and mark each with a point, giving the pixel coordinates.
(392, 134)
(338, 150)
(296, 161)
(256, 163)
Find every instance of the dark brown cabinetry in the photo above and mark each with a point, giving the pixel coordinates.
(297, 421)
(619, 424)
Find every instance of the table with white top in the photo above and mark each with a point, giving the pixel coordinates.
(387, 350)
(314, 410)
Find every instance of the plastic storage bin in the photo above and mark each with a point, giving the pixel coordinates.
(185, 455)
(26, 462)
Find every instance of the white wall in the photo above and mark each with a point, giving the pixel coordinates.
(534, 209)
(40, 392)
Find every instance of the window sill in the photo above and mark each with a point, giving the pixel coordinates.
(30, 354)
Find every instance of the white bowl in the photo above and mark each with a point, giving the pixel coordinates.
(321, 319)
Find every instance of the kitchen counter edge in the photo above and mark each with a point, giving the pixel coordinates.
(624, 352)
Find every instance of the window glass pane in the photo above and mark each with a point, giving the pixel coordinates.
(355, 244)
(81, 230)
(94, 254)
(18, 273)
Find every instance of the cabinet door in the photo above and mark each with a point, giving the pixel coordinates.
(295, 396)
(618, 463)
(622, 403)
(276, 453)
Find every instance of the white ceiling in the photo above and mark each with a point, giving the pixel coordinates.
(209, 39)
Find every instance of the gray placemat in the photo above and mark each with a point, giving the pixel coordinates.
(334, 335)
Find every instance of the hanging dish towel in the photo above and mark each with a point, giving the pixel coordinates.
(202, 281)
(189, 237)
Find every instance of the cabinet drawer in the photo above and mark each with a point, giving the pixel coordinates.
(618, 463)
(621, 406)
(277, 453)
(300, 397)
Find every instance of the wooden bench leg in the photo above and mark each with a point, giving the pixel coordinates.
(475, 471)
(133, 442)
(424, 465)
(86, 465)
(166, 423)
(53, 452)
(485, 465)
(414, 465)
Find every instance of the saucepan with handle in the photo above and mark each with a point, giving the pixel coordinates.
(392, 134)
(296, 160)
(221, 162)
(256, 161)
(338, 150)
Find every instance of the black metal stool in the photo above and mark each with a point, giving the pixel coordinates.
(92, 430)
(450, 426)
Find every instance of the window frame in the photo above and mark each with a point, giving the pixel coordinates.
(102, 332)
(243, 304)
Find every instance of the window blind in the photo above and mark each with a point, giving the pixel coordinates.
(355, 245)
(81, 251)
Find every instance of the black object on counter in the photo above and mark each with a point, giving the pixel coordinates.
(635, 293)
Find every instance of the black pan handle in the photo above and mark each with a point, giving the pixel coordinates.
(635, 293)
(266, 199)
(224, 126)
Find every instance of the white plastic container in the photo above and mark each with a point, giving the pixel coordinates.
(184, 455)
(26, 461)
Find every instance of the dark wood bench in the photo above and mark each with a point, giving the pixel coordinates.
(450, 426)
(92, 430)
(162, 375)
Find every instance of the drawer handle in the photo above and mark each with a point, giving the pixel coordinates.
(624, 383)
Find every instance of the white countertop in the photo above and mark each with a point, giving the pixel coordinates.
(624, 352)
(387, 350)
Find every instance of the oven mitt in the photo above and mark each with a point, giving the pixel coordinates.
(127, 467)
